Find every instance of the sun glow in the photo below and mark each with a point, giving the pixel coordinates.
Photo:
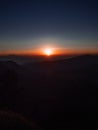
(48, 51)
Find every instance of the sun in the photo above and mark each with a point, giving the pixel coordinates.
(48, 51)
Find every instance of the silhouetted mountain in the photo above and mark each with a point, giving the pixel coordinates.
(21, 59)
(79, 62)
(55, 94)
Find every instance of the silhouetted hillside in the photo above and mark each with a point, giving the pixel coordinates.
(55, 94)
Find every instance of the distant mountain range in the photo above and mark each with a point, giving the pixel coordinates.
(20, 59)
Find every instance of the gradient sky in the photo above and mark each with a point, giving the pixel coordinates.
(33, 24)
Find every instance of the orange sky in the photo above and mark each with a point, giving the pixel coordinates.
(55, 52)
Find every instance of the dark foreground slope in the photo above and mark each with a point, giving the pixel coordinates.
(54, 94)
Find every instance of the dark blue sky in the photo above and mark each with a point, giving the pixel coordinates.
(70, 23)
